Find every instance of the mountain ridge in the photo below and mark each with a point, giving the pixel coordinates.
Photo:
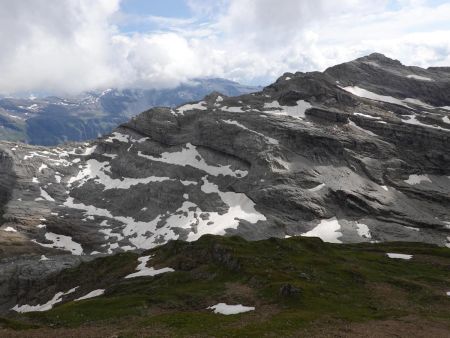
(314, 154)
(54, 120)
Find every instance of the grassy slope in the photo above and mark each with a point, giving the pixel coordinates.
(337, 284)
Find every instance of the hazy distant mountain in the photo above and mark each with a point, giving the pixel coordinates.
(54, 120)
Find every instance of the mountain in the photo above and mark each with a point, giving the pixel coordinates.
(356, 154)
(55, 120)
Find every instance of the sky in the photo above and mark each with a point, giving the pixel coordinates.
(70, 46)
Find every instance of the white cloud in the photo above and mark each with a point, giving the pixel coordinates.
(75, 45)
(54, 45)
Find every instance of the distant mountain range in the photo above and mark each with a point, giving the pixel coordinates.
(54, 120)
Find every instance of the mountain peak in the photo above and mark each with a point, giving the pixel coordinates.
(380, 59)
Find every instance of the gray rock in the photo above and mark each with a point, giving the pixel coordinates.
(304, 155)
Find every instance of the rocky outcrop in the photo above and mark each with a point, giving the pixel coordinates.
(334, 155)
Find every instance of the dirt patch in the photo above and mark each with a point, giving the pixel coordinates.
(389, 296)
(411, 326)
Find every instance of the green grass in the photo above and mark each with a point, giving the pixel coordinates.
(336, 283)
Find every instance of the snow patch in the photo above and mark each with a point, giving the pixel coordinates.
(417, 179)
(354, 125)
(368, 116)
(297, 111)
(189, 156)
(226, 309)
(412, 119)
(42, 167)
(44, 307)
(61, 242)
(143, 270)
(269, 140)
(189, 107)
(418, 77)
(363, 230)
(97, 172)
(361, 92)
(317, 187)
(398, 256)
(91, 294)
(10, 229)
(328, 230)
(46, 196)
(116, 136)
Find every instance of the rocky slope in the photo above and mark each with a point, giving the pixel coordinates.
(55, 120)
(358, 153)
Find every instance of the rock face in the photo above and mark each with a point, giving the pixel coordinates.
(358, 153)
(54, 120)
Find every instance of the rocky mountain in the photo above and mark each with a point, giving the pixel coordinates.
(55, 120)
(358, 153)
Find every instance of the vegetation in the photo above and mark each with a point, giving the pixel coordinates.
(298, 286)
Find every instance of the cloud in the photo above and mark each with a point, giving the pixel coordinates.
(68, 46)
(54, 45)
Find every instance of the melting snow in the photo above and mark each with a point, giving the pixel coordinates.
(328, 230)
(44, 258)
(354, 125)
(368, 116)
(42, 167)
(317, 187)
(226, 309)
(417, 179)
(363, 230)
(385, 187)
(361, 92)
(61, 242)
(46, 196)
(412, 119)
(398, 256)
(446, 119)
(233, 109)
(189, 156)
(297, 111)
(10, 229)
(373, 96)
(97, 171)
(418, 77)
(91, 294)
(268, 139)
(143, 270)
(44, 307)
(240, 207)
(138, 231)
(118, 137)
(189, 107)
